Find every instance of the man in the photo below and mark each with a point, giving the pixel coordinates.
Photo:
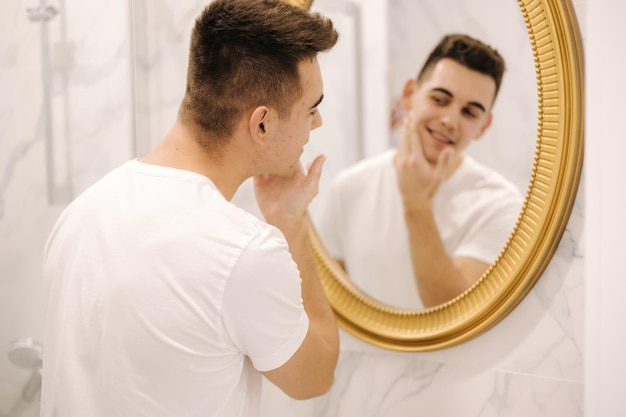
(420, 224)
(164, 299)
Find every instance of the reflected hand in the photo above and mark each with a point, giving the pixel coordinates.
(284, 200)
(418, 179)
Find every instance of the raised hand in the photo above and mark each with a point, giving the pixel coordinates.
(418, 179)
(284, 200)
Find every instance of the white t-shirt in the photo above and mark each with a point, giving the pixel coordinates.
(164, 299)
(363, 223)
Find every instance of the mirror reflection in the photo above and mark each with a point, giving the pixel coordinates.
(416, 234)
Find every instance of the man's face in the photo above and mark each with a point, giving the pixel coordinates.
(451, 106)
(293, 133)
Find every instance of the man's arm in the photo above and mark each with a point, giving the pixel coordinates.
(438, 277)
(283, 202)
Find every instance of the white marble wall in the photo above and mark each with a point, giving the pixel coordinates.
(605, 223)
(529, 364)
(90, 123)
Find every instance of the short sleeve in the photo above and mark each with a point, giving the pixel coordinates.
(262, 307)
(488, 234)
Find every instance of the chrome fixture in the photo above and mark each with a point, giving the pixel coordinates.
(27, 353)
(58, 176)
(41, 14)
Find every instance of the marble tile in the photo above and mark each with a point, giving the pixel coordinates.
(370, 384)
(162, 31)
(89, 68)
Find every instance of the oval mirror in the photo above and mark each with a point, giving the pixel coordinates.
(556, 167)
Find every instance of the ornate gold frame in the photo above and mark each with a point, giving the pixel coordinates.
(305, 4)
(557, 50)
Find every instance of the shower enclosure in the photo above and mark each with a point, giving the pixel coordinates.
(66, 117)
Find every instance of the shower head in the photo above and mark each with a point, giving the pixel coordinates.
(26, 353)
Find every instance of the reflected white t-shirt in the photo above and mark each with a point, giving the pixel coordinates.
(363, 223)
(164, 299)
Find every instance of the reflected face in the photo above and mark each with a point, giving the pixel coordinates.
(451, 106)
(293, 133)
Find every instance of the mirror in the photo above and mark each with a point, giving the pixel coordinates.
(405, 32)
(556, 165)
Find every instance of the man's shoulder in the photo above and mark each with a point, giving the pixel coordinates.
(479, 176)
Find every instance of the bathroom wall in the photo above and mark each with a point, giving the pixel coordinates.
(65, 119)
(106, 107)
(605, 223)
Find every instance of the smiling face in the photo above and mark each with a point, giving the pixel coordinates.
(451, 106)
(292, 133)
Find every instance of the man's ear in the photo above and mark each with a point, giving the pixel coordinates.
(259, 124)
(407, 92)
(485, 126)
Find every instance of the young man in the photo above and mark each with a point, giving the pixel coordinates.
(418, 225)
(164, 299)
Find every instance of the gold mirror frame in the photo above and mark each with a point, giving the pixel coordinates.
(304, 4)
(556, 45)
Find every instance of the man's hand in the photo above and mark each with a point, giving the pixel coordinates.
(438, 277)
(284, 200)
(418, 179)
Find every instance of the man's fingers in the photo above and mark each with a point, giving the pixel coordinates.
(410, 143)
(315, 171)
(447, 157)
(405, 138)
(445, 160)
(315, 167)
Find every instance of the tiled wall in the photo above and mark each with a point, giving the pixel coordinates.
(529, 364)
(54, 141)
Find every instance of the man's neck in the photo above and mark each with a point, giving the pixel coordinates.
(180, 149)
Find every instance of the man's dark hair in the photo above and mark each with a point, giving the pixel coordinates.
(245, 53)
(470, 53)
